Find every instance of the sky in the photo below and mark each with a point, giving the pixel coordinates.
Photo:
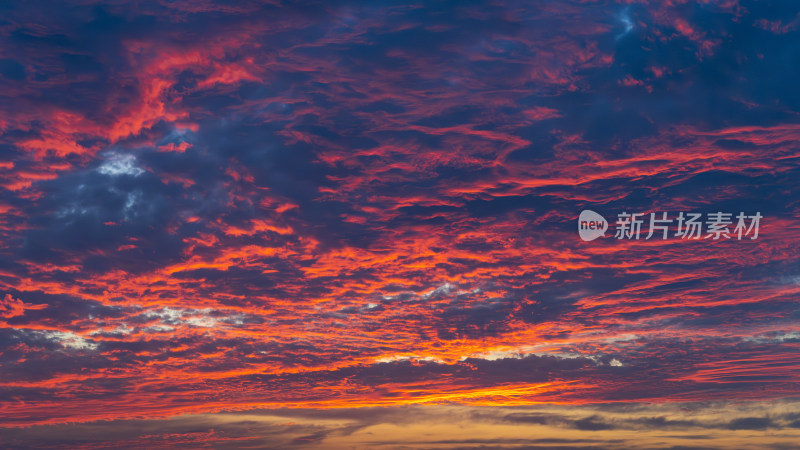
(344, 224)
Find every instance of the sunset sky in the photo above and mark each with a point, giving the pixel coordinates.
(342, 224)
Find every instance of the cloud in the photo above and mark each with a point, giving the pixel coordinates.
(510, 427)
(120, 165)
(210, 207)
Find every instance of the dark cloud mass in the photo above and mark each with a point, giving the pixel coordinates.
(293, 222)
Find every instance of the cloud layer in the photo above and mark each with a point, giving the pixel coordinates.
(208, 207)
